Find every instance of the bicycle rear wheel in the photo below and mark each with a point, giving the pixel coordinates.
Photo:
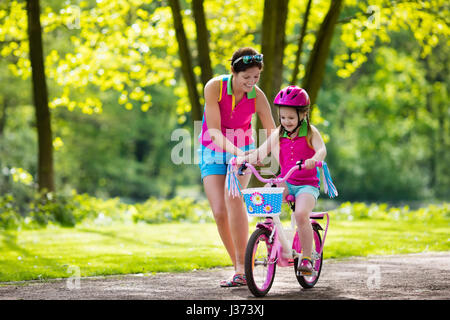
(259, 271)
(308, 282)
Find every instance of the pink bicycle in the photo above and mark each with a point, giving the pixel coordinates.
(271, 244)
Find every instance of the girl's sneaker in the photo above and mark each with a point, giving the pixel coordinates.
(237, 281)
(305, 268)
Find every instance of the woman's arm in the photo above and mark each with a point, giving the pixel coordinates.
(213, 121)
(264, 150)
(264, 112)
(262, 108)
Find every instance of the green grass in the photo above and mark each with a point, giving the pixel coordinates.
(142, 248)
(378, 237)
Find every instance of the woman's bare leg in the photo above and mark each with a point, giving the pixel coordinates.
(238, 222)
(215, 192)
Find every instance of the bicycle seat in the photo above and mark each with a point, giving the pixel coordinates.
(290, 198)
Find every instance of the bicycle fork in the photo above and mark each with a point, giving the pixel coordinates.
(281, 251)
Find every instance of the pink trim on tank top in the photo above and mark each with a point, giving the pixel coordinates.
(236, 123)
(293, 150)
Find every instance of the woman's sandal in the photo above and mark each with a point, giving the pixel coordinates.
(237, 281)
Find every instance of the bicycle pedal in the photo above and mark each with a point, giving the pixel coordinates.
(307, 274)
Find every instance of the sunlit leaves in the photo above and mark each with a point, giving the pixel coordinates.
(130, 46)
(295, 18)
(115, 46)
(232, 24)
(20, 175)
(425, 19)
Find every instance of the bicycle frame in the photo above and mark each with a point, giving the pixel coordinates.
(284, 251)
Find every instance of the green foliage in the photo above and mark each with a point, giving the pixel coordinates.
(68, 209)
(65, 210)
(9, 216)
(361, 211)
(388, 128)
(116, 92)
(177, 209)
(378, 20)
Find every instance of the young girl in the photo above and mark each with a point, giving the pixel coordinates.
(296, 139)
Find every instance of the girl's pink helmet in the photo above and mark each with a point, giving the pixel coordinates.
(292, 96)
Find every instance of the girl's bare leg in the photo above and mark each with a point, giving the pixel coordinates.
(304, 205)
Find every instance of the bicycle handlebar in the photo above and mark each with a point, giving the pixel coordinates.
(299, 166)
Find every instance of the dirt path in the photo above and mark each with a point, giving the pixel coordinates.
(412, 276)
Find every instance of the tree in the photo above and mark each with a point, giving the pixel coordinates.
(187, 67)
(124, 49)
(300, 43)
(438, 131)
(204, 60)
(3, 115)
(272, 46)
(315, 67)
(43, 117)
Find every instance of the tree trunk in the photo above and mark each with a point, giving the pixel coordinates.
(186, 61)
(43, 117)
(280, 43)
(272, 46)
(267, 46)
(315, 68)
(202, 41)
(3, 115)
(300, 44)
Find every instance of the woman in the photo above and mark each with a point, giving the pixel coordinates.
(230, 102)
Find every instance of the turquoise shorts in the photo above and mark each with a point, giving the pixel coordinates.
(296, 190)
(212, 162)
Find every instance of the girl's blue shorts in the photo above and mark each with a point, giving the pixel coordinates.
(296, 190)
(212, 162)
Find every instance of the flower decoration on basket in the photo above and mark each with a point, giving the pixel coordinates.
(257, 199)
(250, 209)
(268, 208)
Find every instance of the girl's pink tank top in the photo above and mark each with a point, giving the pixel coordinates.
(235, 118)
(293, 150)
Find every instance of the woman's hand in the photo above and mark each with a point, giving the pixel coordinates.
(250, 156)
(240, 160)
(249, 152)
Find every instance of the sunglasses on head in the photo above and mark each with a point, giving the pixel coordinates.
(249, 59)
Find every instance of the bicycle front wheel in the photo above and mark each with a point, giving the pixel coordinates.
(259, 271)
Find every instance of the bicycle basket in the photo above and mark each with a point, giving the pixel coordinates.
(263, 202)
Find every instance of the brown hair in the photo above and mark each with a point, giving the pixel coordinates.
(240, 65)
(299, 110)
